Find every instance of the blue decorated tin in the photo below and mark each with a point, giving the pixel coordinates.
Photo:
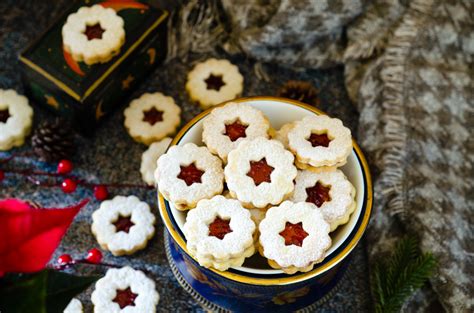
(255, 286)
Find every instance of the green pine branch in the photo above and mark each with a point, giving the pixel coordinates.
(398, 277)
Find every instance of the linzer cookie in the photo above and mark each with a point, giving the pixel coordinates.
(187, 174)
(150, 158)
(214, 81)
(294, 237)
(74, 306)
(260, 172)
(320, 141)
(125, 290)
(219, 233)
(16, 117)
(93, 34)
(227, 126)
(123, 225)
(329, 191)
(282, 134)
(152, 117)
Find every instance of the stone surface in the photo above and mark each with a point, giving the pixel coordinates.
(112, 156)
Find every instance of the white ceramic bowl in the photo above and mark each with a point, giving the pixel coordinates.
(281, 111)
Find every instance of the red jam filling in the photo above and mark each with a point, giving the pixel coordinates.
(214, 82)
(260, 171)
(123, 223)
(235, 130)
(4, 115)
(318, 194)
(94, 32)
(219, 228)
(294, 234)
(125, 298)
(319, 140)
(190, 174)
(152, 116)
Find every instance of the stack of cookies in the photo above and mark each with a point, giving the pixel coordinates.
(251, 188)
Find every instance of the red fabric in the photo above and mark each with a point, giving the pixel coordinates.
(29, 236)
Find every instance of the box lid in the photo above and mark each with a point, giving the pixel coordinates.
(47, 56)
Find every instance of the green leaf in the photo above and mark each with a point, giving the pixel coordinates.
(46, 291)
(23, 293)
(406, 270)
(62, 287)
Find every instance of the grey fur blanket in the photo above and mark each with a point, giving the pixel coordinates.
(409, 70)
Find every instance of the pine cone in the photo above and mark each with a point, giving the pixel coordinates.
(300, 91)
(53, 141)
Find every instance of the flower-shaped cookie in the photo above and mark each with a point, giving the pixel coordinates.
(294, 237)
(16, 117)
(330, 191)
(150, 158)
(74, 306)
(260, 172)
(227, 126)
(219, 233)
(187, 174)
(282, 134)
(125, 290)
(152, 117)
(214, 81)
(123, 225)
(93, 34)
(320, 141)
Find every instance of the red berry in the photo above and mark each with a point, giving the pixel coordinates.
(64, 167)
(101, 192)
(94, 256)
(2, 175)
(68, 185)
(64, 259)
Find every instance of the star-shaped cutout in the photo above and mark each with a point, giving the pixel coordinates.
(219, 228)
(235, 130)
(319, 140)
(214, 82)
(94, 31)
(4, 115)
(260, 171)
(294, 234)
(152, 116)
(190, 174)
(125, 297)
(318, 194)
(123, 223)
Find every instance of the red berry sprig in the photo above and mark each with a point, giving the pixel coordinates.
(94, 256)
(64, 167)
(69, 183)
(65, 259)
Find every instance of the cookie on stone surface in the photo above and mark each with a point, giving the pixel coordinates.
(150, 159)
(294, 237)
(16, 118)
(123, 225)
(93, 34)
(320, 141)
(260, 172)
(74, 306)
(152, 117)
(225, 127)
(125, 290)
(219, 233)
(187, 174)
(330, 191)
(214, 81)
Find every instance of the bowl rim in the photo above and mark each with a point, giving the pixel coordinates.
(290, 279)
